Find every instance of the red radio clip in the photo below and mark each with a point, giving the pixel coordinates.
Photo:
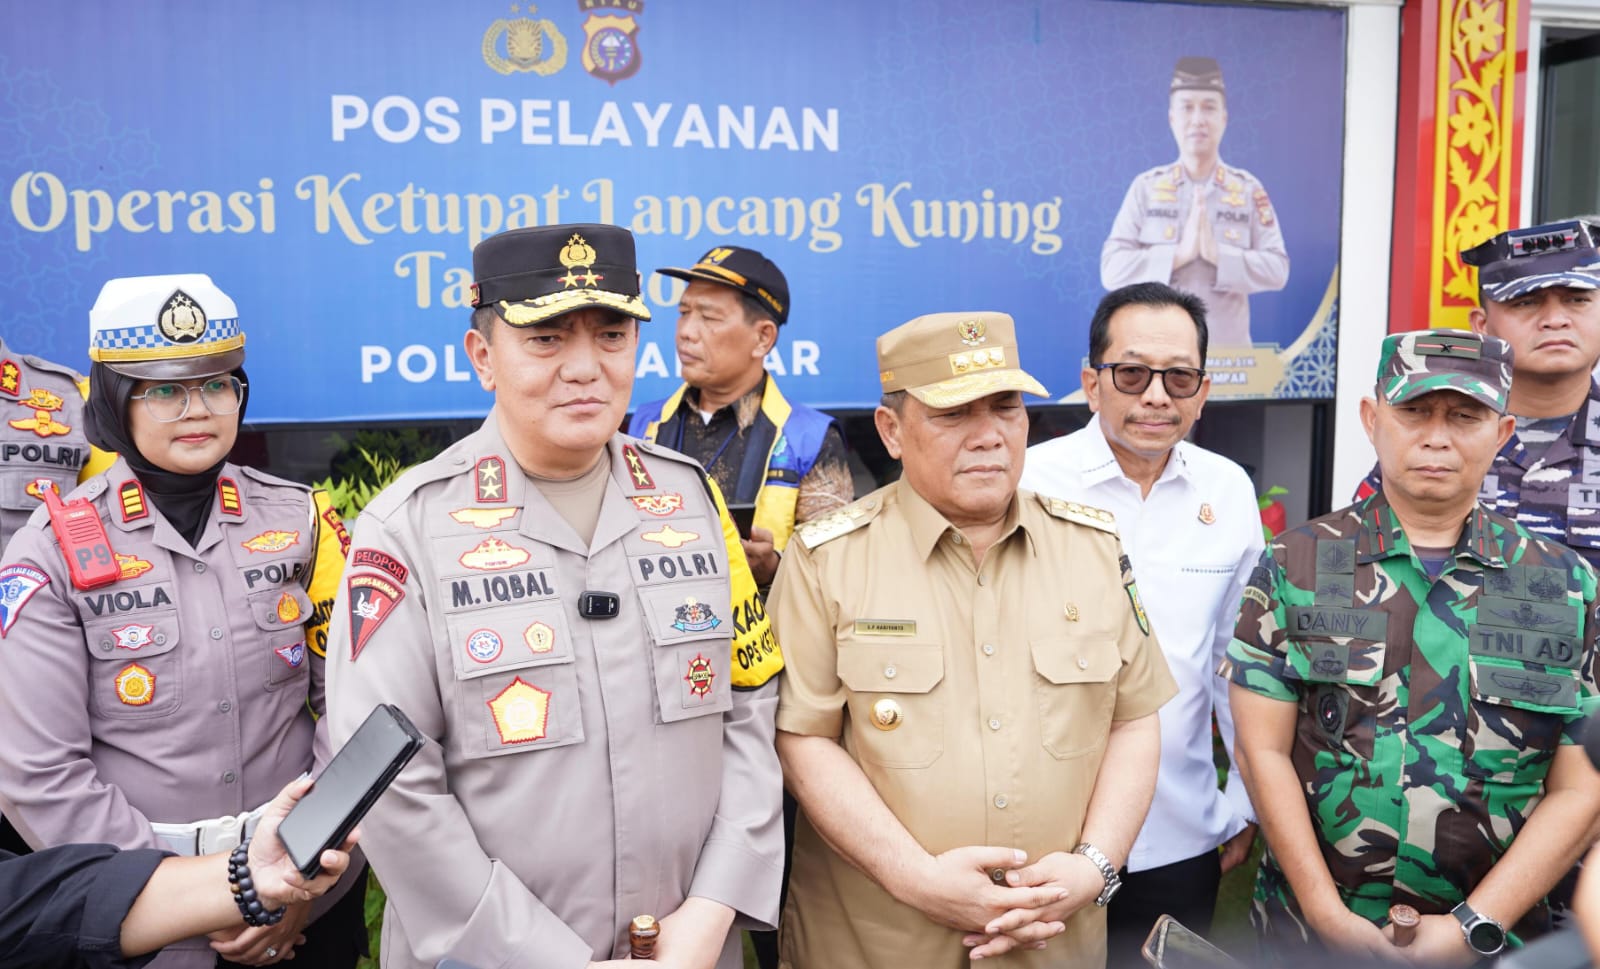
(83, 538)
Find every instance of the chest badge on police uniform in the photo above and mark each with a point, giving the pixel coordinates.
(275, 540)
(482, 517)
(43, 422)
(700, 676)
(292, 655)
(539, 637)
(484, 646)
(670, 537)
(492, 555)
(521, 712)
(660, 506)
(136, 686)
(130, 566)
(134, 636)
(288, 608)
(695, 617)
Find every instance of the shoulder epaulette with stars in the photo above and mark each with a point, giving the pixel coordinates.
(1081, 514)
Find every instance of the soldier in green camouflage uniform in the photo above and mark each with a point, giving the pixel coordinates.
(1436, 656)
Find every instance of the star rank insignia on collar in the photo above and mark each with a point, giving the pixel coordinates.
(10, 378)
(491, 479)
(636, 469)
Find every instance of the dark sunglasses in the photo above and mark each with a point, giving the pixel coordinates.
(1133, 378)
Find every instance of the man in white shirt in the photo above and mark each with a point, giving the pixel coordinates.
(1188, 519)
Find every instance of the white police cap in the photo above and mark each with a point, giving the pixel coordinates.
(165, 327)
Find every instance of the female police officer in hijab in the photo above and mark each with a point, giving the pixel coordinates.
(163, 625)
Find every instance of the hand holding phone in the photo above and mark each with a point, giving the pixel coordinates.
(348, 787)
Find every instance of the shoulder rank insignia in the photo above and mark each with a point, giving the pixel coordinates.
(636, 469)
(228, 494)
(829, 527)
(491, 479)
(10, 378)
(131, 496)
(1082, 514)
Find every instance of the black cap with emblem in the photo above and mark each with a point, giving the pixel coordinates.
(535, 274)
(1198, 74)
(745, 270)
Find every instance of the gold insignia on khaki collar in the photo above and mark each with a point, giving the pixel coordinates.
(961, 363)
(1082, 514)
(521, 712)
(972, 332)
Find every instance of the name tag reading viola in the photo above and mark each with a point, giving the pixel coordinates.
(1334, 621)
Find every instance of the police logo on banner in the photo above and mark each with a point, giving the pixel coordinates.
(18, 583)
(530, 45)
(611, 40)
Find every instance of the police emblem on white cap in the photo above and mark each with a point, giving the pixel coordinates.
(164, 327)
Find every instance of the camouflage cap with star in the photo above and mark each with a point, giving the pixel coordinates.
(1423, 361)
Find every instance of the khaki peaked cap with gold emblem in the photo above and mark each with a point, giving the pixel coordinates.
(535, 274)
(165, 327)
(950, 359)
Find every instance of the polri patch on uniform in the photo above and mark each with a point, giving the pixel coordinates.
(493, 555)
(521, 712)
(484, 645)
(130, 566)
(700, 677)
(662, 505)
(274, 540)
(670, 537)
(288, 608)
(134, 636)
(382, 561)
(18, 583)
(131, 497)
(484, 518)
(293, 655)
(136, 686)
(695, 617)
(10, 378)
(636, 469)
(228, 496)
(491, 484)
(372, 599)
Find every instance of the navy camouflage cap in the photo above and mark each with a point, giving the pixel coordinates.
(1423, 361)
(1518, 262)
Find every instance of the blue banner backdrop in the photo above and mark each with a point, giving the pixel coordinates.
(331, 166)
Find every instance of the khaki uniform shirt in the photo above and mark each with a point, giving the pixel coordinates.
(579, 770)
(41, 434)
(1007, 681)
(1250, 254)
(179, 692)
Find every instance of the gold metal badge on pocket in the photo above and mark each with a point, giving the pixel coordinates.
(886, 714)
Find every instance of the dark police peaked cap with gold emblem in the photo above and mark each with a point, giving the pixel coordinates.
(747, 271)
(1198, 74)
(1518, 262)
(165, 328)
(535, 274)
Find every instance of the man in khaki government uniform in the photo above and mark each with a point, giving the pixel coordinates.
(566, 614)
(1196, 223)
(968, 715)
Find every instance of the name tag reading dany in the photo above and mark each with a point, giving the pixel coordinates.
(1335, 621)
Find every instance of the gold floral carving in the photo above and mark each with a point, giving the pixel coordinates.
(1474, 125)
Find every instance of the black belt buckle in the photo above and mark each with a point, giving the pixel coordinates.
(598, 605)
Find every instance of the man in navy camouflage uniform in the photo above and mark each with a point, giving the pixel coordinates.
(1414, 667)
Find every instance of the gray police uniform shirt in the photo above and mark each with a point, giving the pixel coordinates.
(41, 433)
(178, 692)
(1250, 253)
(578, 772)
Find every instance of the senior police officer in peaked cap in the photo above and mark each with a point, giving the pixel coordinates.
(968, 717)
(1408, 674)
(1196, 223)
(163, 625)
(566, 614)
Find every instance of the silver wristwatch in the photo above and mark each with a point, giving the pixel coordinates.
(1107, 871)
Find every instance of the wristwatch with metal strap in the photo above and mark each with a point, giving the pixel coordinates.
(1108, 871)
(1484, 935)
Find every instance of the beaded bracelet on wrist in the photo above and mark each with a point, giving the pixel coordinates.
(244, 890)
